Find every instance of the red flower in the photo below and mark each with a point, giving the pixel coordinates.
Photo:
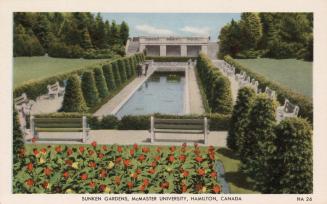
(157, 158)
(102, 187)
(135, 146)
(69, 162)
(151, 171)
(131, 152)
(201, 172)
(92, 184)
(100, 155)
(84, 176)
(69, 151)
(117, 180)
(158, 149)
(29, 182)
(213, 174)
(118, 160)
(164, 185)
(216, 189)
(145, 149)
(103, 173)
(182, 157)
(154, 164)
(104, 148)
(142, 187)
(138, 171)
(92, 164)
(172, 149)
(91, 152)
(186, 173)
(184, 145)
(43, 151)
(35, 152)
(119, 149)
(141, 157)
(130, 184)
(65, 174)
(198, 159)
(45, 184)
(146, 182)
(47, 171)
(171, 158)
(30, 166)
(126, 163)
(81, 149)
(94, 143)
(184, 188)
(58, 149)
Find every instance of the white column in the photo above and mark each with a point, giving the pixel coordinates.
(163, 50)
(204, 49)
(183, 50)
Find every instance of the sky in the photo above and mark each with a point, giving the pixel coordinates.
(173, 24)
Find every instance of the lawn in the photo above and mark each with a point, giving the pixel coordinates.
(41, 168)
(295, 74)
(28, 68)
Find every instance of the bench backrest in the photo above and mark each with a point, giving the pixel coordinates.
(58, 122)
(291, 108)
(54, 86)
(179, 124)
(21, 99)
(271, 93)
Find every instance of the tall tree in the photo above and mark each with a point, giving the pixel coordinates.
(251, 29)
(124, 32)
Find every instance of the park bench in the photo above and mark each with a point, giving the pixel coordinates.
(183, 126)
(240, 76)
(271, 93)
(64, 125)
(255, 85)
(55, 90)
(287, 110)
(246, 81)
(23, 104)
(231, 71)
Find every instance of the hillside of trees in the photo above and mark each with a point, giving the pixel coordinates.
(68, 35)
(272, 35)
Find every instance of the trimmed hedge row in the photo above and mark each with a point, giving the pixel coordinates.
(305, 103)
(216, 86)
(169, 59)
(218, 122)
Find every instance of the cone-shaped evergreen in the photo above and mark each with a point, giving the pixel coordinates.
(128, 68)
(73, 98)
(115, 70)
(240, 118)
(109, 76)
(100, 83)
(89, 89)
(293, 165)
(222, 101)
(259, 148)
(122, 70)
(132, 65)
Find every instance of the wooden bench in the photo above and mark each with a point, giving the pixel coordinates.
(271, 93)
(183, 126)
(55, 90)
(64, 125)
(245, 82)
(241, 76)
(255, 85)
(287, 110)
(23, 104)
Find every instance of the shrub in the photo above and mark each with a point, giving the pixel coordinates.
(89, 90)
(109, 76)
(115, 70)
(109, 122)
(59, 49)
(259, 148)
(132, 65)
(130, 122)
(99, 54)
(18, 142)
(305, 103)
(73, 98)
(293, 165)
(222, 101)
(240, 119)
(100, 83)
(128, 68)
(122, 70)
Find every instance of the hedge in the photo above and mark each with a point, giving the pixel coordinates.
(169, 59)
(305, 103)
(218, 122)
(109, 76)
(100, 82)
(122, 70)
(90, 92)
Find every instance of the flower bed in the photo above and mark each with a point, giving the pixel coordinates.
(115, 169)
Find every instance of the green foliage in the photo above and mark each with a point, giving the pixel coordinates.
(99, 54)
(128, 68)
(293, 167)
(240, 119)
(122, 70)
(89, 89)
(58, 49)
(305, 104)
(73, 98)
(132, 65)
(251, 29)
(115, 70)
(100, 83)
(169, 58)
(259, 148)
(124, 32)
(109, 76)
(18, 141)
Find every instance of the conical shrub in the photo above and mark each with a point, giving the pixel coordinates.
(89, 89)
(73, 98)
(100, 83)
(122, 70)
(109, 76)
(115, 70)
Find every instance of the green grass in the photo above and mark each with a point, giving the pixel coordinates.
(28, 68)
(295, 74)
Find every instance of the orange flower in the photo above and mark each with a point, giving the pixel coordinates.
(118, 160)
(92, 164)
(58, 149)
(119, 149)
(213, 174)
(201, 172)
(29, 166)
(138, 171)
(154, 164)
(182, 157)
(35, 152)
(171, 158)
(104, 148)
(164, 185)
(84, 176)
(145, 149)
(102, 187)
(151, 171)
(146, 182)
(45, 184)
(47, 171)
(130, 184)
(212, 156)
(141, 157)
(172, 149)
(117, 180)
(186, 173)
(158, 149)
(81, 149)
(94, 143)
(66, 174)
(43, 151)
(131, 152)
(91, 152)
(69, 151)
(198, 159)
(211, 148)
(216, 189)
(103, 173)
(100, 155)
(92, 184)
(142, 187)
(184, 188)
(29, 182)
(126, 162)
(157, 158)
(69, 162)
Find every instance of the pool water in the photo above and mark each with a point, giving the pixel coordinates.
(161, 93)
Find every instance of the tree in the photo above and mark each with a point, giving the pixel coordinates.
(109, 76)
(259, 142)
(132, 65)
(240, 119)
(230, 40)
(115, 70)
(86, 40)
(73, 98)
(293, 170)
(100, 33)
(41, 29)
(251, 29)
(100, 83)
(122, 70)
(124, 32)
(89, 90)
(114, 34)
